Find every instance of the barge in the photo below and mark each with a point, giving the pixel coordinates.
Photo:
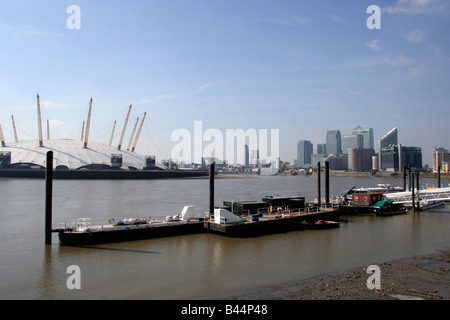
(82, 233)
(388, 208)
(226, 223)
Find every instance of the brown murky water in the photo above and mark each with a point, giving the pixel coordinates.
(201, 266)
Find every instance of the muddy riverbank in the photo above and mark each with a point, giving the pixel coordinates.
(425, 277)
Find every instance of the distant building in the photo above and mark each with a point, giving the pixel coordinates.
(441, 157)
(375, 163)
(367, 136)
(316, 158)
(388, 140)
(411, 157)
(334, 146)
(390, 159)
(254, 159)
(352, 141)
(322, 149)
(360, 159)
(247, 156)
(395, 157)
(338, 162)
(304, 153)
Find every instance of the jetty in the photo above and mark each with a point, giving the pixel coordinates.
(130, 229)
(226, 223)
(234, 219)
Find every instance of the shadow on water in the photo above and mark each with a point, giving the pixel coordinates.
(114, 249)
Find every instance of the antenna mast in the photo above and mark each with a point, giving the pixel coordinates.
(48, 129)
(15, 131)
(41, 142)
(139, 133)
(112, 134)
(88, 124)
(124, 129)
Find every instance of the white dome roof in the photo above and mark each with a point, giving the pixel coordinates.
(71, 154)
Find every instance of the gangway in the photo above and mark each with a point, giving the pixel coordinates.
(442, 194)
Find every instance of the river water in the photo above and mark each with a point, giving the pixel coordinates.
(203, 266)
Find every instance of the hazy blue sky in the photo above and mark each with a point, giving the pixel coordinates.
(300, 66)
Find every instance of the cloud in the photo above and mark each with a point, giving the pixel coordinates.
(374, 45)
(380, 60)
(250, 20)
(290, 21)
(18, 32)
(415, 36)
(204, 87)
(45, 104)
(417, 70)
(335, 18)
(171, 95)
(437, 51)
(168, 96)
(56, 123)
(142, 101)
(208, 85)
(418, 7)
(54, 105)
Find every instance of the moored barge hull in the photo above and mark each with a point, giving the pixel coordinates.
(272, 226)
(71, 238)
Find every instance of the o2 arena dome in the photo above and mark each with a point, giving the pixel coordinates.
(73, 155)
(81, 159)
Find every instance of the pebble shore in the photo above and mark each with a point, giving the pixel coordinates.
(425, 277)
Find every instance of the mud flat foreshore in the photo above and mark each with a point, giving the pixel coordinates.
(424, 277)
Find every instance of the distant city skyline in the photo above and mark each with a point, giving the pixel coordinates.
(303, 67)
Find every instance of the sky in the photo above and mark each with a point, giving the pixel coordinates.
(300, 66)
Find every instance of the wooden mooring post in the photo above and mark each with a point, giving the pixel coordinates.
(327, 183)
(319, 201)
(48, 197)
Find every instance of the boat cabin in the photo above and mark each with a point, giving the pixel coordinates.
(366, 198)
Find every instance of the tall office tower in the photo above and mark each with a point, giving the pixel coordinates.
(247, 156)
(352, 141)
(304, 153)
(321, 149)
(367, 136)
(254, 158)
(411, 157)
(390, 158)
(388, 140)
(334, 142)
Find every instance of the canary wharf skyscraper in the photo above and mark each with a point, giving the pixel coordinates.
(390, 139)
(334, 142)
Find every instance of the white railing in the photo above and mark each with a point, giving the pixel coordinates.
(419, 195)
